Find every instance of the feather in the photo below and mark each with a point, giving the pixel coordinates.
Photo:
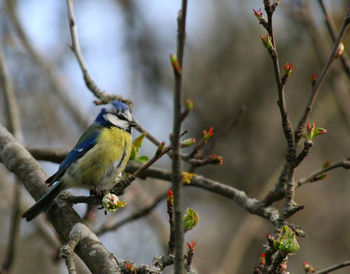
(84, 144)
(44, 202)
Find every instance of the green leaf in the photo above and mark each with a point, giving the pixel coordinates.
(138, 141)
(133, 154)
(190, 219)
(142, 159)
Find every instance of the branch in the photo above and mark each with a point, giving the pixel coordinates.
(334, 267)
(313, 177)
(176, 159)
(286, 123)
(252, 205)
(48, 154)
(240, 197)
(287, 175)
(321, 77)
(90, 84)
(67, 251)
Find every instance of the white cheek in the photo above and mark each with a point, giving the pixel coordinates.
(115, 121)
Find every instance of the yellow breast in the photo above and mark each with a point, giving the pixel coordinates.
(105, 161)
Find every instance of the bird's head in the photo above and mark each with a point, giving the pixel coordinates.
(116, 114)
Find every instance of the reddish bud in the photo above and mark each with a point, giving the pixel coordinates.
(208, 134)
(308, 268)
(160, 148)
(130, 268)
(267, 41)
(258, 14)
(217, 160)
(288, 68)
(262, 259)
(312, 131)
(326, 164)
(313, 78)
(191, 245)
(171, 197)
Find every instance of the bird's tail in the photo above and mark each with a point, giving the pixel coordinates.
(44, 202)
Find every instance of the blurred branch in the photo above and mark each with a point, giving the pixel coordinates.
(133, 217)
(14, 229)
(14, 125)
(48, 154)
(103, 97)
(177, 64)
(46, 66)
(321, 77)
(331, 30)
(334, 267)
(335, 80)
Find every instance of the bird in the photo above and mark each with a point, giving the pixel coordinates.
(98, 158)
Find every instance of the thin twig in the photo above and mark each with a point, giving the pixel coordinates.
(133, 217)
(91, 85)
(312, 178)
(334, 267)
(321, 77)
(286, 123)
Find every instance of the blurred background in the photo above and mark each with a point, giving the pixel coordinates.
(228, 74)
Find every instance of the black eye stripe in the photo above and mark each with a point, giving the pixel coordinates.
(121, 117)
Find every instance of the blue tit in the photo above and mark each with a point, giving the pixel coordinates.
(97, 159)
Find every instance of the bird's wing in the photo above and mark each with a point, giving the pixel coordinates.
(84, 144)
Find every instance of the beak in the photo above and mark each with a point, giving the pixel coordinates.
(132, 123)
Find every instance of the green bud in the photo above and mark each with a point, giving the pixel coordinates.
(190, 219)
(287, 242)
(111, 202)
